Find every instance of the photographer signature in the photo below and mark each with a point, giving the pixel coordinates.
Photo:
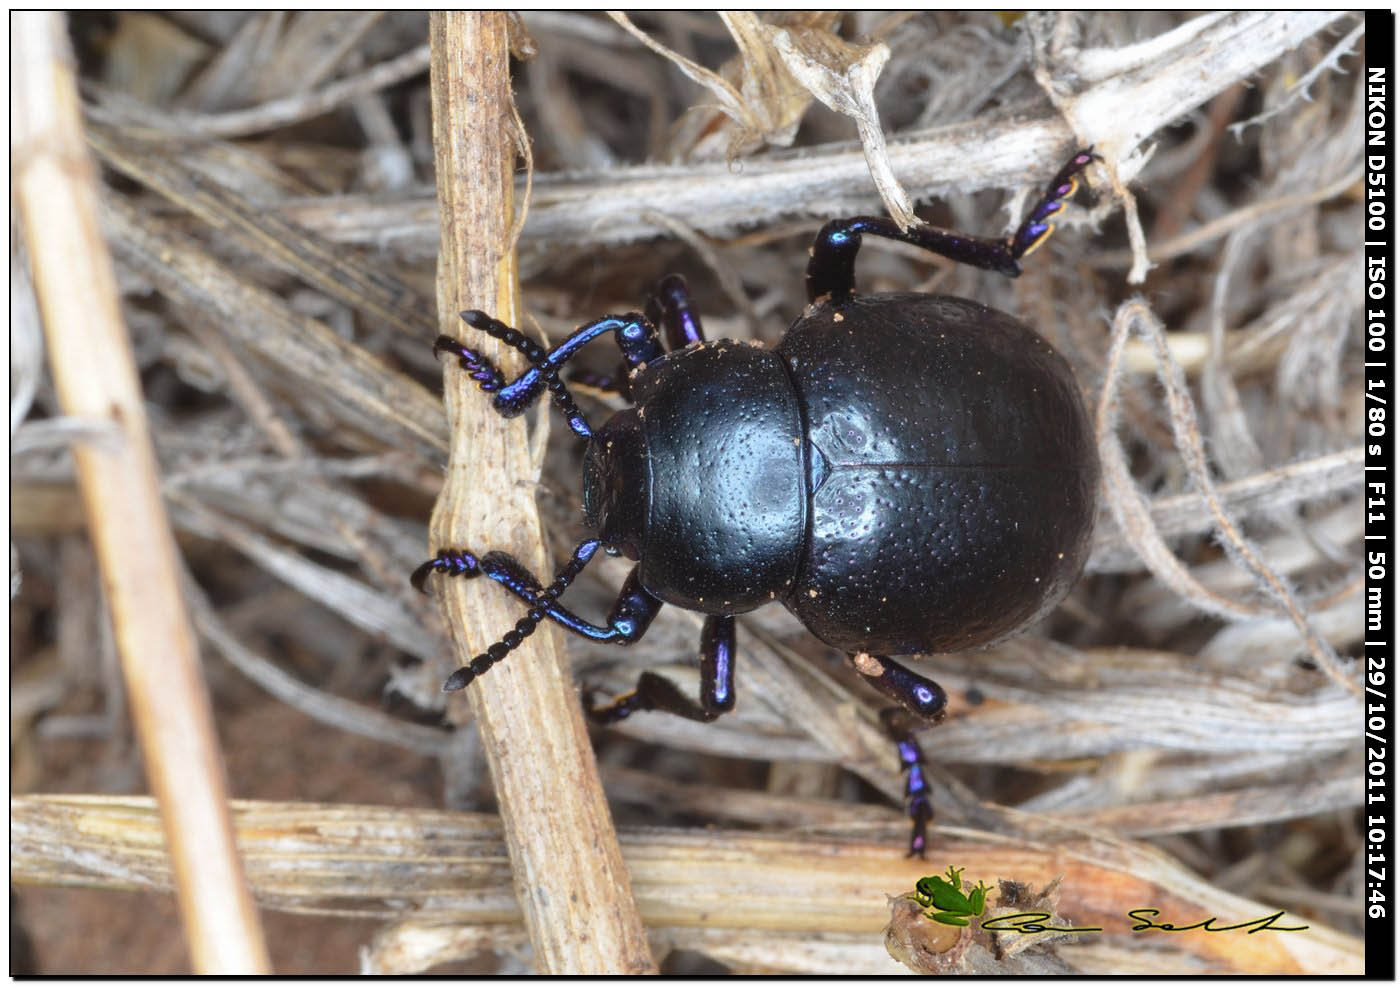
(1033, 923)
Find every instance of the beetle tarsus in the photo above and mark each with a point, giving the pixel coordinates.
(916, 789)
(634, 333)
(481, 369)
(514, 397)
(502, 568)
(628, 620)
(1036, 228)
(448, 561)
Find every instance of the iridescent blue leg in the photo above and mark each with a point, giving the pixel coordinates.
(669, 307)
(635, 335)
(831, 270)
(655, 693)
(924, 699)
(914, 692)
(628, 620)
(911, 760)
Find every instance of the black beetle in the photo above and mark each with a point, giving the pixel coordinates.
(907, 473)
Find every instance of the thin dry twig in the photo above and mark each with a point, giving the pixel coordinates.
(1194, 239)
(1130, 509)
(281, 112)
(1228, 809)
(316, 703)
(357, 385)
(1173, 516)
(377, 613)
(94, 372)
(362, 286)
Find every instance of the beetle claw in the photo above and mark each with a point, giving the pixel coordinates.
(419, 578)
(449, 561)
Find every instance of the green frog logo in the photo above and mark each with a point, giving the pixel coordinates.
(945, 902)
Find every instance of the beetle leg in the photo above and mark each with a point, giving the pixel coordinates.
(629, 619)
(670, 308)
(911, 758)
(456, 561)
(655, 693)
(831, 269)
(635, 335)
(914, 692)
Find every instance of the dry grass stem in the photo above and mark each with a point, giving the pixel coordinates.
(281, 112)
(1210, 232)
(954, 160)
(356, 387)
(1137, 316)
(274, 240)
(1173, 516)
(95, 375)
(349, 716)
(452, 868)
(559, 830)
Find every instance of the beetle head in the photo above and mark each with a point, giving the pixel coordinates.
(616, 483)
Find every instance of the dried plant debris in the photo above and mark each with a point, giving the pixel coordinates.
(268, 198)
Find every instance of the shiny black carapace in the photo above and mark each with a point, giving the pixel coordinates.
(907, 473)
